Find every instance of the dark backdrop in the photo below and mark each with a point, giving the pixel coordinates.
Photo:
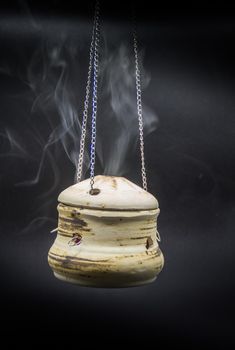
(190, 157)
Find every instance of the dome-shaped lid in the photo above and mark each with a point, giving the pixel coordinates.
(115, 193)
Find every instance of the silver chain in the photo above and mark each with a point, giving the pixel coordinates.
(94, 97)
(94, 59)
(93, 45)
(85, 110)
(139, 110)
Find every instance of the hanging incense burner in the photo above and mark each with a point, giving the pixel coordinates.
(108, 239)
(107, 231)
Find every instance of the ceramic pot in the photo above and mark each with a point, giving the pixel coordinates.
(108, 238)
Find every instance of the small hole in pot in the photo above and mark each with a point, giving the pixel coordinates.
(94, 191)
(76, 240)
(149, 242)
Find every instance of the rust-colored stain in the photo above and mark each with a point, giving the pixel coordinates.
(72, 263)
(147, 228)
(73, 258)
(129, 183)
(63, 234)
(141, 237)
(80, 222)
(74, 221)
(124, 242)
(154, 253)
(109, 179)
(66, 228)
(114, 183)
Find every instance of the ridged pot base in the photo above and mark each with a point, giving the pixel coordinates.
(102, 284)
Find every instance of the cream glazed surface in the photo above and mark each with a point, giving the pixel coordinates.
(107, 239)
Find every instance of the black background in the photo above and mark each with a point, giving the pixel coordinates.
(190, 157)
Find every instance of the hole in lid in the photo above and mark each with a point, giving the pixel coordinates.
(94, 191)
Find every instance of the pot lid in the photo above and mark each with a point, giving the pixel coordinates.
(116, 193)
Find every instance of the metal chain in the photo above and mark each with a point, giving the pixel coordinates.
(139, 110)
(85, 110)
(87, 96)
(94, 58)
(94, 97)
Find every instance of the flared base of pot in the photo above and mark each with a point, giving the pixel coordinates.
(103, 283)
(117, 271)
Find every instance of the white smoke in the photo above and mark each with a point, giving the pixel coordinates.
(53, 91)
(118, 129)
(53, 76)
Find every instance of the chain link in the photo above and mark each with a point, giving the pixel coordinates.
(94, 59)
(94, 97)
(139, 110)
(93, 64)
(86, 106)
